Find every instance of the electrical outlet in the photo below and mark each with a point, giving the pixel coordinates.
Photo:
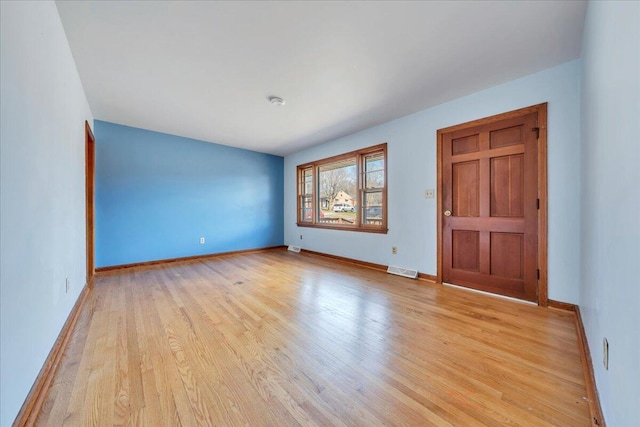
(605, 353)
(66, 285)
(394, 250)
(429, 194)
(202, 240)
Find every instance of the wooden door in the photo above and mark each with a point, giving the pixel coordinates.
(490, 206)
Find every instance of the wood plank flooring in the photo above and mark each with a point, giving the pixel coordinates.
(277, 339)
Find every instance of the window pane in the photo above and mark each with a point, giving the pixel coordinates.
(374, 171)
(373, 212)
(337, 189)
(308, 181)
(306, 208)
(305, 192)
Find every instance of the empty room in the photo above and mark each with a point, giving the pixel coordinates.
(319, 213)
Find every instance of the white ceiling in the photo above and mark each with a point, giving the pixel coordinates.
(204, 70)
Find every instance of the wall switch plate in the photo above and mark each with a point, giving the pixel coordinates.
(429, 194)
(394, 250)
(202, 240)
(301, 237)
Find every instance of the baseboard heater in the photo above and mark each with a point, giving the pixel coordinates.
(294, 248)
(404, 272)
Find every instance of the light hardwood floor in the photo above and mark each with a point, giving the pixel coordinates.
(277, 338)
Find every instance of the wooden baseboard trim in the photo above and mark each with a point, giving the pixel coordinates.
(595, 410)
(115, 268)
(366, 264)
(562, 305)
(32, 405)
(374, 266)
(428, 277)
(597, 418)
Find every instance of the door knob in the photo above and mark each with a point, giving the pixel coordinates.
(447, 213)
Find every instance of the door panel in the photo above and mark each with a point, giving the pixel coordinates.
(489, 186)
(467, 144)
(507, 186)
(507, 136)
(507, 255)
(466, 194)
(466, 250)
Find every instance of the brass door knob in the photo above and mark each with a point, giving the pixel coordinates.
(447, 213)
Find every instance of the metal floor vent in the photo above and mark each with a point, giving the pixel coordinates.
(404, 272)
(294, 248)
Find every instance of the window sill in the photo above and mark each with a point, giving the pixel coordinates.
(346, 228)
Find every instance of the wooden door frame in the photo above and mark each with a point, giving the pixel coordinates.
(541, 109)
(89, 151)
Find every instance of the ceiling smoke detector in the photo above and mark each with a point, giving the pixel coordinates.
(275, 100)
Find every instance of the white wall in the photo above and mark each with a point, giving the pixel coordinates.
(412, 170)
(43, 109)
(610, 288)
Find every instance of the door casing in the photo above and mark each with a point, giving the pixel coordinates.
(541, 110)
(89, 143)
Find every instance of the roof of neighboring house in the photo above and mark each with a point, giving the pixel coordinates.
(343, 195)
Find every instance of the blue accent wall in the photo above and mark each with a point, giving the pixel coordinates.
(157, 194)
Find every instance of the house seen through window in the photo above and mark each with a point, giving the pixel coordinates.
(345, 192)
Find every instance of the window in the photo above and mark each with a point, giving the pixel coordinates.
(346, 192)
